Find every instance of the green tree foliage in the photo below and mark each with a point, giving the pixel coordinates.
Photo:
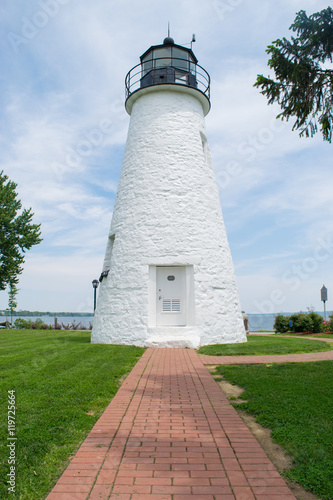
(317, 322)
(281, 323)
(300, 322)
(17, 233)
(303, 85)
(12, 303)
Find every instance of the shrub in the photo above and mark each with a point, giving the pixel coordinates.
(73, 326)
(330, 324)
(317, 322)
(301, 322)
(281, 323)
(23, 324)
(39, 325)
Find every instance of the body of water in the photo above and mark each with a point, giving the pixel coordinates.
(261, 322)
(256, 321)
(266, 321)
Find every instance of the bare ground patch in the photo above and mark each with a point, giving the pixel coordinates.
(281, 460)
(122, 379)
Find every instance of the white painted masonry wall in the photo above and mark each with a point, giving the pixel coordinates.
(167, 213)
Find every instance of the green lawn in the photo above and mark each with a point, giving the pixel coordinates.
(261, 345)
(313, 335)
(295, 400)
(62, 384)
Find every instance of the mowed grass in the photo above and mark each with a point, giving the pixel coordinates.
(295, 400)
(261, 345)
(62, 384)
(312, 335)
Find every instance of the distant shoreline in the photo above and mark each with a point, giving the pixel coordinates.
(19, 314)
(5, 312)
(257, 322)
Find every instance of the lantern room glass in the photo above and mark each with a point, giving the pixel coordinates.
(168, 56)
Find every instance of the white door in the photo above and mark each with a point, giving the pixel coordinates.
(171, 296)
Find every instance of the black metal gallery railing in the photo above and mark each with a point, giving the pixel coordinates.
(174, 71)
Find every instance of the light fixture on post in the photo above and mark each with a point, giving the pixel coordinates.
(95, 284)
(324, 299)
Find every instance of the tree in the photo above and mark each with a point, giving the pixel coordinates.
(17, 233)
(303, 86)
(12, 304)
(281, 323)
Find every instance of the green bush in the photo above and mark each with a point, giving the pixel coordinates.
(281, 323)
(317, 322)
(39, 324)
(301, 322)
(23, 324)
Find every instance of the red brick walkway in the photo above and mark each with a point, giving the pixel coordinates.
(170, 434)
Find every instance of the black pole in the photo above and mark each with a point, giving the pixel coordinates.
(95, 284)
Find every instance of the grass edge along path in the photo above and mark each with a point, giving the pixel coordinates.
(62, 385)
(258, 345)
(295, 401)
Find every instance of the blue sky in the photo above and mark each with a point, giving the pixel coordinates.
(63, 131)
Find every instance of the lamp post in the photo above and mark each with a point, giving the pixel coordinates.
(95, 284)
(324, 298)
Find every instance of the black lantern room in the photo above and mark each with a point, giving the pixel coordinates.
(168, 64)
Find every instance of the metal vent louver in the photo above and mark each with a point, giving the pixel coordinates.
(171, 305)
(166, 305)
(175, 305)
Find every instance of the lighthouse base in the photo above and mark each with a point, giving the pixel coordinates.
(173, 337)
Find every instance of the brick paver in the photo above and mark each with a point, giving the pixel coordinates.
(170, 434)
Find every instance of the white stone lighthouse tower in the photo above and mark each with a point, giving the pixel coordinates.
(168, 277)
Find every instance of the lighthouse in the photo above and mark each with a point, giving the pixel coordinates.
(168, 278)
